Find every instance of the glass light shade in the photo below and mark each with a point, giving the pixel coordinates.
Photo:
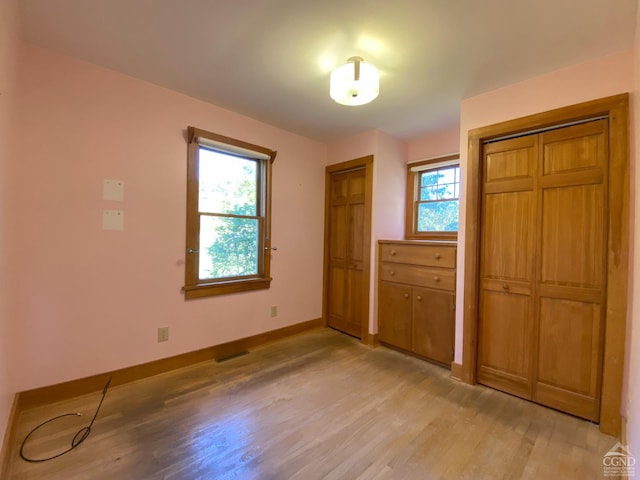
(354, 83)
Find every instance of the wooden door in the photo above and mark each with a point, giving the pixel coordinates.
(433, 324)
(572, 269)
(347, 252)
(507, 268)
(543, 265)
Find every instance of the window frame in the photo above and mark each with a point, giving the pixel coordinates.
(195, 287)
(412, 198)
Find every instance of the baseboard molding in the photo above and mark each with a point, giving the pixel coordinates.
(372, 340)
(9, 438)
(82, 386)
(456, 371)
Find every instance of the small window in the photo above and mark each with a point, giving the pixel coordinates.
(228, 215)
(433, 189)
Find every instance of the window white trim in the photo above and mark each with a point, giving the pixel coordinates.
(231, 149)
(434, 166)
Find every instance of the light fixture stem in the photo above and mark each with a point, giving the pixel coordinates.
(356, 67)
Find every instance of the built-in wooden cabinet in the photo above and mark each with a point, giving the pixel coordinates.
(416, 297)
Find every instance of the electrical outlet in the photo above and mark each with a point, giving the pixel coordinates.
(274, 311)
(163, 334)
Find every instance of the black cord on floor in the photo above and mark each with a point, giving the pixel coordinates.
(78, 438)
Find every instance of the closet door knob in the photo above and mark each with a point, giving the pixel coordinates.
(419, 297)
(406, 295)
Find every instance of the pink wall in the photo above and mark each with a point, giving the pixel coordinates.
(633, 331)
(434, 144)
(90, 300)
(389, 185)
(352, 147)
(9, 46)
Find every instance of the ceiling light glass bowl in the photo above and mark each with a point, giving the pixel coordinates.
(354, 83)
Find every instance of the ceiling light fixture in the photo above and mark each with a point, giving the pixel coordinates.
(354, 83)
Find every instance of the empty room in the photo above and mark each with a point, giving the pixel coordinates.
(319, 240)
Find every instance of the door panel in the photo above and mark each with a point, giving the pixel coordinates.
(338, 245)
(507, 265)
(568, 368)
(433, 324)
(572, 239)
(508, 236)
(394, 315)
(337, 303)
(504, 346)
(569, 333)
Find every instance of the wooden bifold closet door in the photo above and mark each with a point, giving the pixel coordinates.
(543, 267)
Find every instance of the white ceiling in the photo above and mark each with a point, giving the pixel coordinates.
(271, 59)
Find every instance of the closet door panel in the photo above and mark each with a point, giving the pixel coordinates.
(508, 236)
(503, 349)
(568, 371)
(572, 239)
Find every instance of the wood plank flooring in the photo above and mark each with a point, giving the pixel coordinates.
(319, 405)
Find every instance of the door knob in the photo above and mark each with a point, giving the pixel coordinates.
(406, 295)
(419, 297)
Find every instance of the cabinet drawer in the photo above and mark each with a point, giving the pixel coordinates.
(429, 255)
(418, 275)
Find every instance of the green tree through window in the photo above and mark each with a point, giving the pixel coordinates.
(229, 225)
(438, 200)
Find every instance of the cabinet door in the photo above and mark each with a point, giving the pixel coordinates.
(394, 315)
(433, 324)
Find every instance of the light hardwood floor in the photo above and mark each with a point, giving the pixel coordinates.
(319, 405)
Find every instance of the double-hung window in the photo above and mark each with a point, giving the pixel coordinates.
(433, 188)
(228, 215)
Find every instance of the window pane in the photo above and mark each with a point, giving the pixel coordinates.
(227, 184)
(447, 175)
(228, 247)
(429, 178)
(429, 193)
(438, 216)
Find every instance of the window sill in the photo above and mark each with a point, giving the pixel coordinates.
(223, 288)
(449, 236)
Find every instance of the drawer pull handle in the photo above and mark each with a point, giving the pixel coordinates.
(419, 297)
(393, 253)
(505, 286)
(392, 273)
(437, 256)
(406, 295)
(436, 278)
